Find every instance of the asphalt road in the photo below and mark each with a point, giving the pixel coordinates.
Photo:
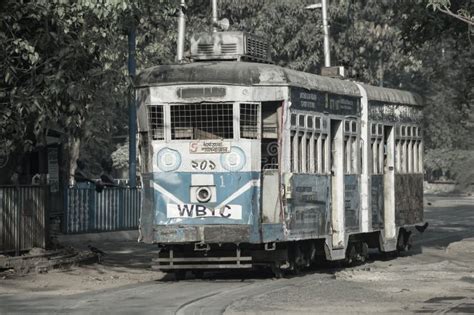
(436, 276)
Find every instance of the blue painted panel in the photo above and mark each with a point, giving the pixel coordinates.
(309, 207)
(351, 202)
(175, 189)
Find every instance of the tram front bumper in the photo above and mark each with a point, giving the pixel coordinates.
(211, 234)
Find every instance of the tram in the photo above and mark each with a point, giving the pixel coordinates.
(245, 163)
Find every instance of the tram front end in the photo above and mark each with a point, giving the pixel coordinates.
(200, 172)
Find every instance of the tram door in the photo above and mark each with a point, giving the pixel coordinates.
(271, 114)
(337, 184)
(389, 182)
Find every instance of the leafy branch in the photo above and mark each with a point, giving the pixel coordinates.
(444, 6)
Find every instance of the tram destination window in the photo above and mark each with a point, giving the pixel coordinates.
(249, 121)
(155, 120)
(202, 121)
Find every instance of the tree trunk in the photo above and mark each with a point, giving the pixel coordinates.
(74, 144)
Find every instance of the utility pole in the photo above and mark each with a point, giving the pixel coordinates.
(327, 52)
(181, 32)
(323, 5)
(132, 112)
(327, 70)
(214, 15)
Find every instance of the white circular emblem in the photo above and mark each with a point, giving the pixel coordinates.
(168, 160)
(234, 160)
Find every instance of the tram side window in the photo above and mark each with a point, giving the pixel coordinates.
(408, 150)
(156, 122)
(308, 144)
(351, 149)
(249, 121)
(377, 148)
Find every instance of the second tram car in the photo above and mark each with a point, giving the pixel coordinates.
(245, 163)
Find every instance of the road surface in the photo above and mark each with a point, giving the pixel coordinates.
(436, 276)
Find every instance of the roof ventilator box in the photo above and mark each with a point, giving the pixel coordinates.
(230, 46)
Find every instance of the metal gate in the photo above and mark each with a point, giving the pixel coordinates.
(23, 218)
(113, 209)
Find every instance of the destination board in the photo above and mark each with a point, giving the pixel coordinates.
(389, 112)
(209, 146)
(317, 101)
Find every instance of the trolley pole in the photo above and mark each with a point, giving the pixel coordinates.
(132, 112)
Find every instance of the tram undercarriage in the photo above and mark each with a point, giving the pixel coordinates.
(279, 257)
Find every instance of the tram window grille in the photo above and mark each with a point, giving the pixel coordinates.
(309, 122)
(346, 155)
(249, 121)
(308, 153)
(293, 120)
(316, 153)
(292, 151)
(397, 156)
(156, 122)
(324, 144)
(301, 121)
(374, 129)
(347, 126)
(300, 152)
(202, 121)
(354, 127)
(355, 156)
(317, 121)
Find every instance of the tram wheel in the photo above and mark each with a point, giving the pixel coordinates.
(198, 274)
(179, 275)
(277, 272)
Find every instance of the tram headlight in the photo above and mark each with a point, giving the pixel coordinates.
(168, 160)
(203, 194)
(234, 160)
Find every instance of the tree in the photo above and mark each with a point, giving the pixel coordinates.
(61, 60)
(462, 14)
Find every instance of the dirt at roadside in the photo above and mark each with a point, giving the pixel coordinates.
(124, 262)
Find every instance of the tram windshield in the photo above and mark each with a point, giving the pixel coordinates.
(202, 121)
(206, 121)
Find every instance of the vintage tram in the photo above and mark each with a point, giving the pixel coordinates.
(245, 163)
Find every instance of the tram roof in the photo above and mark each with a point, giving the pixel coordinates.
(386, 95)
(241, 73)
(260, 74)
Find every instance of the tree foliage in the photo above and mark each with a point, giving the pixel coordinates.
(64, 62)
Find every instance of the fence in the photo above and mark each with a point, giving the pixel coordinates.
(22, 218)
(113, 209)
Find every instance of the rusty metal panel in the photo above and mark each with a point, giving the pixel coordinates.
(351, 202)
(22, 218)
(408, 199)
(309, 206)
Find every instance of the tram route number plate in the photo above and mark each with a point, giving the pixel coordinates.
(174, 211)
(209, 147)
